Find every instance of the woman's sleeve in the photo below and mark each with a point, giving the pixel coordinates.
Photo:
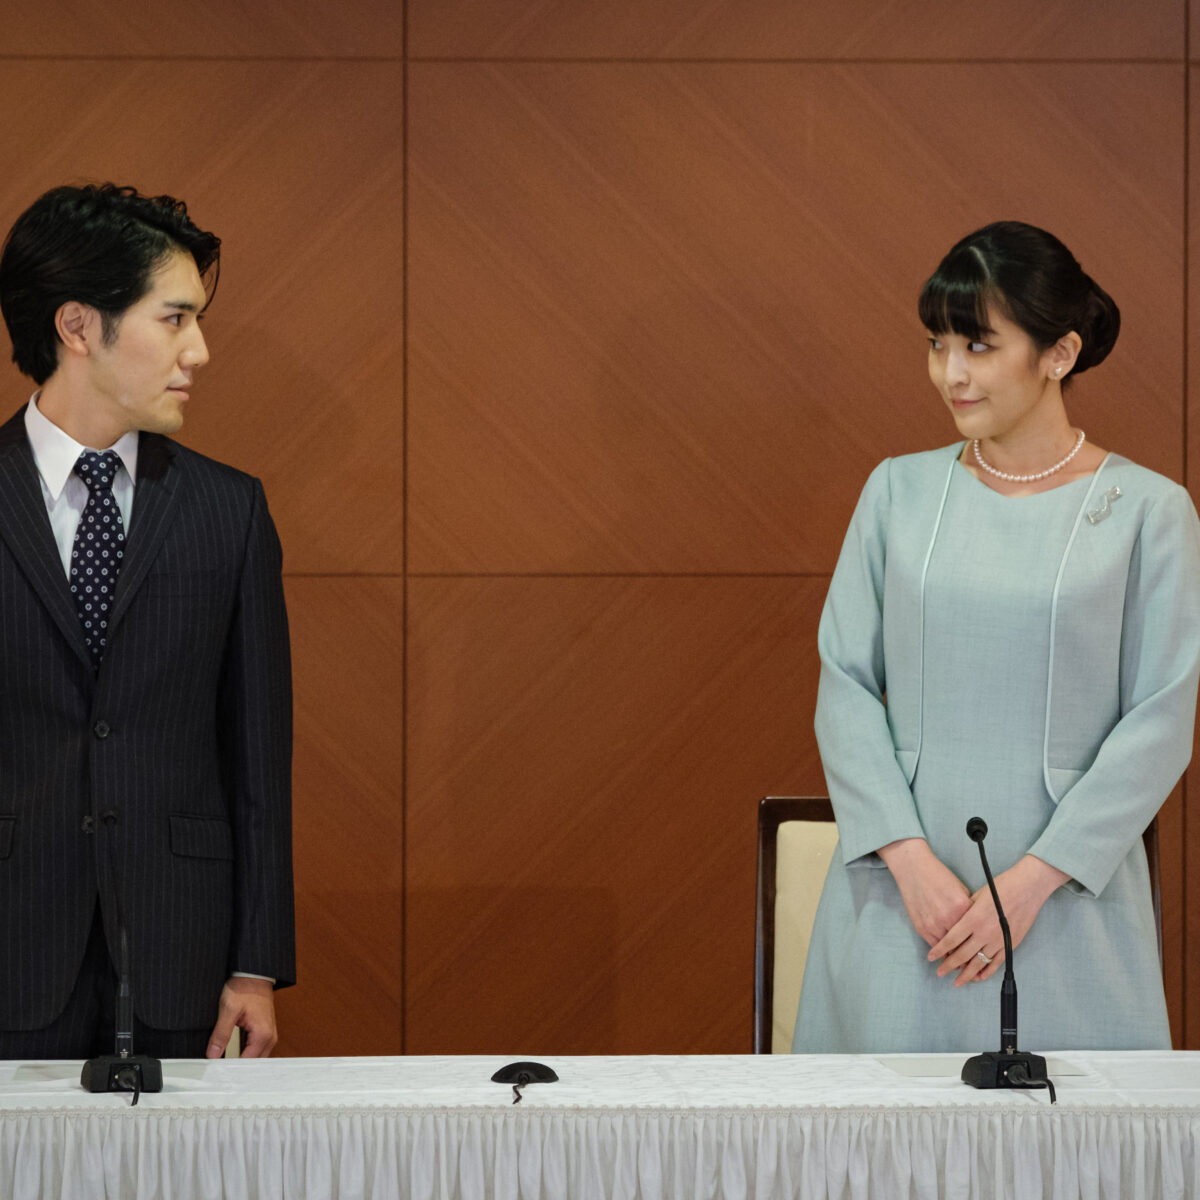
(871, 797)
(1142, 758)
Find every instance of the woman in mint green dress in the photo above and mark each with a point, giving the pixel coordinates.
(1013, 632)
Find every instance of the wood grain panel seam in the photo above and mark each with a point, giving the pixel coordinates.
(404, 445)
(829, 61)
(615, 575)
(1185, 1033)
(395, 59)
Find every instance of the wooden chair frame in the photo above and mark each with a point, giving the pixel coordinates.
(773, 811)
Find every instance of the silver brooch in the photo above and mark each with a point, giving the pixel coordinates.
(1096, 515)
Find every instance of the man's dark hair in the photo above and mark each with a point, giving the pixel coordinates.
(98, 245)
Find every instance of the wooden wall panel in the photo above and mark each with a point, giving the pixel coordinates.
(348, 821)
(916, 29)
(662, 316)
(585, 758)
(1188, 827)
(1173, 897)
(203, 28)
(304, 386)
(661, 322)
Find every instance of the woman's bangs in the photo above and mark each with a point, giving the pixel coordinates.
(955, 302)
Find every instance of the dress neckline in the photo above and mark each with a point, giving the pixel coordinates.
(1088, 479)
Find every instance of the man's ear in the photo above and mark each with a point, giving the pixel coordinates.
(78, 327)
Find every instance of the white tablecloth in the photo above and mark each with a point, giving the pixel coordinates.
(1126, 1127)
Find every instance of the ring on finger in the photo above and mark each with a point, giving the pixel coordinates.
(987, 962)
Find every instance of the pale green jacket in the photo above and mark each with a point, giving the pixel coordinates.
(1121, 686)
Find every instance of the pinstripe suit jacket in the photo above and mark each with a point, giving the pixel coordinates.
(161, 782)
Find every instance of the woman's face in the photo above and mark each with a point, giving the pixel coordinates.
(997, 386)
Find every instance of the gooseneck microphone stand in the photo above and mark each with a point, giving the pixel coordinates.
(122, 1071)
(1010, 1067)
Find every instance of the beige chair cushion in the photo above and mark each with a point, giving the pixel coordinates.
(802, 858)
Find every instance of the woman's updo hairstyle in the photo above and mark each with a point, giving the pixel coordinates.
(1030, 277)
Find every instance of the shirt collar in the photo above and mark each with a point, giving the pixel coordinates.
(56, 452)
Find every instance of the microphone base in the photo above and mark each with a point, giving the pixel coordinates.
(991, 1069)
(112, 1073)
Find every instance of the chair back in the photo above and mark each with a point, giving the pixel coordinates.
(1150, 841)
(796, 840)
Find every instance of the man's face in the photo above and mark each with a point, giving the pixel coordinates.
(141, 376)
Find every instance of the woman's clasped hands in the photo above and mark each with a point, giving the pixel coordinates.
(963, 930)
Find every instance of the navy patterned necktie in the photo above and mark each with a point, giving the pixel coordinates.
(99, 547)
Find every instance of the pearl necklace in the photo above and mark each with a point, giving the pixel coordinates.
(1058, 466)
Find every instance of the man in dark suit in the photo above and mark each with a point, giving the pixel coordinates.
(145, 683)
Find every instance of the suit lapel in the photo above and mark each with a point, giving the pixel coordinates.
(25, 528)
(153, 510)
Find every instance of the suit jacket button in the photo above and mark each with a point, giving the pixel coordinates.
(89, 824)
(100, 729)
(109, 818)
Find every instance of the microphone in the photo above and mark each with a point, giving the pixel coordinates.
(123, 1071)
(1010, 1068)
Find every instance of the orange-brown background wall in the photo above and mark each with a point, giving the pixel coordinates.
(563, 336)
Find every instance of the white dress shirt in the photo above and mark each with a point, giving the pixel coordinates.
(55, 453)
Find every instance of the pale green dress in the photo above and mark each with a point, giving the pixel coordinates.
(993, 582)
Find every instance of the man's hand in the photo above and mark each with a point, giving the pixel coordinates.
(1023, 889)
(934, 897)
(248, 1004)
